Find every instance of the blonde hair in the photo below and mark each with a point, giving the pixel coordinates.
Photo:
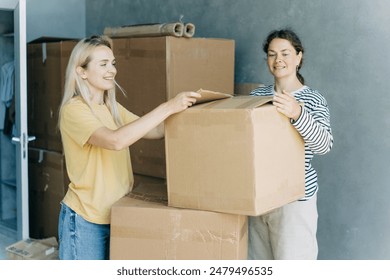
(75, 86)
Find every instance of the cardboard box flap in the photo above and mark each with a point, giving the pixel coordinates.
(208, 95)
(222, 101)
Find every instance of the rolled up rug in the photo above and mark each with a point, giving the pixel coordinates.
(189, 30)
(143, 30)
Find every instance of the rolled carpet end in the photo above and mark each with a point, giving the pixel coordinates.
(146, 30)
(173, 29)
(189, 30)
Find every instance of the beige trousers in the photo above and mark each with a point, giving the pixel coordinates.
(286, 233)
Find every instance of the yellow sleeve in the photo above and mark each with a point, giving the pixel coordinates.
(78, 122)
(126, 115)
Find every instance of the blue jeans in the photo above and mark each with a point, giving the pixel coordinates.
(80, 239)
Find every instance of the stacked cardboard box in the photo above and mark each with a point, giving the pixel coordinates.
(153, 70)
(46, 65)
(143, 227)
(220, 160)
(47, 59)
(48, 182)
(221, 168)
(236, 155)
(223, 160)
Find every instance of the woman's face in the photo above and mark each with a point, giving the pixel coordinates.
(100, 71)
(282, 59)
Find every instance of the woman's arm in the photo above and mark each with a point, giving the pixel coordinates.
(314, 126)
(147, 125)
(156, 133)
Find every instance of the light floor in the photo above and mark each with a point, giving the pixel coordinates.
(7, 237)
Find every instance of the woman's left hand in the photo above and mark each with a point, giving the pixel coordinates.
(287, 105)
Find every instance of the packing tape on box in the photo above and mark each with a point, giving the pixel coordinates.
(44, 53)
(242, 205)
(148, 197)
(176, 233)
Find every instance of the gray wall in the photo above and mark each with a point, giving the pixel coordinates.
(346, 59)
(55, 18)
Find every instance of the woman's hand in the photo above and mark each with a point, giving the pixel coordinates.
(182, 101)
(287, 105)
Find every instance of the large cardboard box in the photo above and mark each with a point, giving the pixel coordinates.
(153, 70)
(236, 155)
(47, 59)
(48, 183)
(143, 227)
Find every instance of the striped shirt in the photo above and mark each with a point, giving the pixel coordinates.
(313, 125)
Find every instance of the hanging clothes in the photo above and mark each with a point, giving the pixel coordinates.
(7, 91)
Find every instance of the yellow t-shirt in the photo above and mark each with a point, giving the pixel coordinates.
(99, 177)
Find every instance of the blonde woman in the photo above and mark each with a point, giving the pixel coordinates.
(96, 132)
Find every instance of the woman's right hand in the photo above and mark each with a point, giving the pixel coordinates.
(182, 101)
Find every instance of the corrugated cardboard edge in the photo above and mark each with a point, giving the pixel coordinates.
(208, 95)
(247, 102)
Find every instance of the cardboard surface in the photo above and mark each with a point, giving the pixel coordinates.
(147, 187)
(48, 183)
(236, 155)
(143, 227)
(245, 88)
(33, 249)
(46, 66)
(153, 70)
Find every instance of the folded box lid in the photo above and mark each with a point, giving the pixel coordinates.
(218, 100)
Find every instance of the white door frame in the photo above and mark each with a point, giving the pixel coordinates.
(21, 139)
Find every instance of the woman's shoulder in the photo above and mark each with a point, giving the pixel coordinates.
(308, 93)
(75, 100)
(74, 104)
